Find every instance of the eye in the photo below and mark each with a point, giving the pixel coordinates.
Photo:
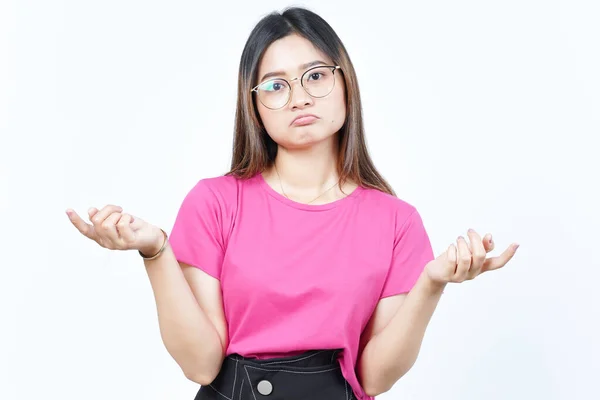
(315, 76)
(272, 86)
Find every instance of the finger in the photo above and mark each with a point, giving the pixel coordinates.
(451, 260)
(478, 253)
(91, 212)
(125, 229)
(109, 229)
(488, 243)
(101, 215)
(136, 223)
(498, 262)
(464, 260)
(84, 228)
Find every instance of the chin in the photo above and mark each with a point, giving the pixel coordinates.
(303, 138)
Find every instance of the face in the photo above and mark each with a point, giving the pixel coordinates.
(290, 58)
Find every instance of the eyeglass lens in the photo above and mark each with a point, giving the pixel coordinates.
(318, 82)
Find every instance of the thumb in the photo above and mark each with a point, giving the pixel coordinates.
(137, 223)
(92, 211)
(488, 243)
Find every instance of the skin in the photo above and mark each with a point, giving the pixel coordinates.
(306, 158)
(394, 335)
(287, 55)
(306, 162)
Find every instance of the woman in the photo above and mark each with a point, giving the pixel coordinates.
(299, 274)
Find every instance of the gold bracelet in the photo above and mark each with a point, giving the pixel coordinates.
(160, 251)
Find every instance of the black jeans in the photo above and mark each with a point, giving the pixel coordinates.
(313, 375)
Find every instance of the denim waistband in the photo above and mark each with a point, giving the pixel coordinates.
(308, 359)
(314, 374)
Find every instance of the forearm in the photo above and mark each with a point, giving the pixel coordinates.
(393, 351)
(188, 334)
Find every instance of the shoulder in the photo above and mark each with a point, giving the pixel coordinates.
(217, 193)
(213, 200)
(379, 202)
(402, 217)
(222, 188)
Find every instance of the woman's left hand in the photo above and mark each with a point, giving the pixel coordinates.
(465, 261)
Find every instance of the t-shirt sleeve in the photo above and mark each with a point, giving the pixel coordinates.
(197, 235)
(412, 251)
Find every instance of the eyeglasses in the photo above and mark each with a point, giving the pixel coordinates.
(317, 82)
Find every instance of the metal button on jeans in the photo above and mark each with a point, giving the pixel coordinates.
(264, 387)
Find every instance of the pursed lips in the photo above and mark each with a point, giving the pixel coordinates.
(304, 119)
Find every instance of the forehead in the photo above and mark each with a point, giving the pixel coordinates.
(288, 53)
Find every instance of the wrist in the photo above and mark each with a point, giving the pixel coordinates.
(432, 286)
(155, 244)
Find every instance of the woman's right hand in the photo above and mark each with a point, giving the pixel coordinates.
(115, 230)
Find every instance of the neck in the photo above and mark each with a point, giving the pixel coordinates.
(306, 173)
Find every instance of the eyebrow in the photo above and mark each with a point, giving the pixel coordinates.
(303, 66)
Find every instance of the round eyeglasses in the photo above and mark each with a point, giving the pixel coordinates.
(317, 82)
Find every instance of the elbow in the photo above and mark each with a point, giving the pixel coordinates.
(203, 375)
(371, 392)
(377, 384)
(373, 385)
(203, 369)
(201, 379)
(374, 390)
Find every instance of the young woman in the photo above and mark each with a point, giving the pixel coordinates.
(298, 275)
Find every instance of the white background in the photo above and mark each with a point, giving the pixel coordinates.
(482, 114)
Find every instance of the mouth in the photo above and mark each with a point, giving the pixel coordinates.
(304, 119)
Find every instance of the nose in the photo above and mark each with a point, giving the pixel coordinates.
(299, 97)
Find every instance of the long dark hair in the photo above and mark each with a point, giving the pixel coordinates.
(253, 148)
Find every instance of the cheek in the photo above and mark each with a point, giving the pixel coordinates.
(337, 122)
(265, 116)
(338, 111)
(272, 122)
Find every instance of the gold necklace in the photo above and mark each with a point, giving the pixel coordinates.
(283, 191)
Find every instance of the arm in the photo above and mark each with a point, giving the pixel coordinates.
(190, 315)
(394, 335)
(398, 325)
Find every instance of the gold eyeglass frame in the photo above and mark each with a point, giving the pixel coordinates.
(289, 83)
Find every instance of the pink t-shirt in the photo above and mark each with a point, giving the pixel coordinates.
(299, 277)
